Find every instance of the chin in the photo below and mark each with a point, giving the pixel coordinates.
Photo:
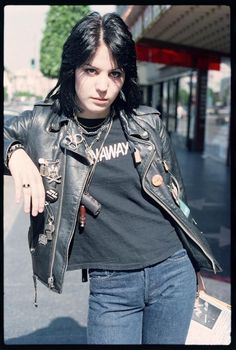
(99, 109)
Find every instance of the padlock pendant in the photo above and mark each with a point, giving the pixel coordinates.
(43, 169)
(49, 235)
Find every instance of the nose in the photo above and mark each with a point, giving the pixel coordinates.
(102, 83)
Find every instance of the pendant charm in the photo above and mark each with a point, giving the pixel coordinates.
(90, 156)
(49, 229)
(50, 169)
(53, 171)
(43, 170)
(73, 141)
(43, 239)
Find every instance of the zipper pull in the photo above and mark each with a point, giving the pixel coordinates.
(137, 156)
(35, 291)
(50, 282)
(165, 165)
(174, 192)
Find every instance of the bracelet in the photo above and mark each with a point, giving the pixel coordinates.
(12, 149)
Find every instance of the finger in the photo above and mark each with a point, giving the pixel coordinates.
(18, 188)
(41, 191)
(38, 196)
(26, 196)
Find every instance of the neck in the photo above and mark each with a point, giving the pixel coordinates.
(93, 115)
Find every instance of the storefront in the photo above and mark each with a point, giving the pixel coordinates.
(195, 107)
(180, 55)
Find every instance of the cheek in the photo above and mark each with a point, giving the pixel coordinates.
(81, 86)
(77, 85)
(118, 86)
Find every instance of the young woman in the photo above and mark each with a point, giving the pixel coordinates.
(102, 185)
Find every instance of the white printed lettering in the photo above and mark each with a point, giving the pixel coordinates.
(112, 151)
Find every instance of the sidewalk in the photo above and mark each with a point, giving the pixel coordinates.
(207, 183)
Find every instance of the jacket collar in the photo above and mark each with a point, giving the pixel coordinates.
(129, 123)
(57, 121)
(131, 126)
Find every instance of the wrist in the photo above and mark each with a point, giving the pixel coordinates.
(12, 149)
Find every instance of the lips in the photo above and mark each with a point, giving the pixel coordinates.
(100, 99)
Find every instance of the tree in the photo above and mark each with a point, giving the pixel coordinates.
(183, 97)
(60, 19)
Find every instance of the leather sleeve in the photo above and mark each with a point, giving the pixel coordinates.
(16, 130)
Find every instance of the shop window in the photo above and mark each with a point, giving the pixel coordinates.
(218, 113)
(182, 106)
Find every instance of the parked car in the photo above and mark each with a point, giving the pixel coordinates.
(223, 115)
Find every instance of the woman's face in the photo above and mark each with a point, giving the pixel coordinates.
(97, 83)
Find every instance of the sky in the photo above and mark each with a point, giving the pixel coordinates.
(23, 27)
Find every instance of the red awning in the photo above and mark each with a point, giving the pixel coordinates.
(177, 57)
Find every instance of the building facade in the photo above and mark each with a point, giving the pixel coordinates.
(183, 54)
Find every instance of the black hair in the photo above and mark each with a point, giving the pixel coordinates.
(81, 45)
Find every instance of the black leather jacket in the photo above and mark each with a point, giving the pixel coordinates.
(44, 134)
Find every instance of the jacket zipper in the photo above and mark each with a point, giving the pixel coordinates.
(174, 216)
(51, 278)
(72, 231)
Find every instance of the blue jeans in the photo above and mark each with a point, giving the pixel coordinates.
(153, 305)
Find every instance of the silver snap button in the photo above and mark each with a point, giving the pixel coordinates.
(145, 133)
(149, 148)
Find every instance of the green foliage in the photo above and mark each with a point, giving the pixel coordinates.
(183, 97)
(59, 22)
(26, 95)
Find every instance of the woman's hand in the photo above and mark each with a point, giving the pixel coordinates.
(201, 284)
(27, 180)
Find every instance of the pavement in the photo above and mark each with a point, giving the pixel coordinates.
(62, 319)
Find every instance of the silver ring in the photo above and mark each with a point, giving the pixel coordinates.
(26, 185)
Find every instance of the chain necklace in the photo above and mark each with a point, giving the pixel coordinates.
(97, 127)
(106, 124)
(90, 154)
(99, 152)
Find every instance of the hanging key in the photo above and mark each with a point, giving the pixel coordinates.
(49, 229)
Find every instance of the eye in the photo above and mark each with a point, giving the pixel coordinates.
(116, 74)
(90, 71)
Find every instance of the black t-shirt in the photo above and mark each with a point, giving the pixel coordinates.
(131, 231)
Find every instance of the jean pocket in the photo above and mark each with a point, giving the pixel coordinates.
(100, 274)
(179, 255)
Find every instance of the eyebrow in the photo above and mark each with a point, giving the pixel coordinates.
(91, 66)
